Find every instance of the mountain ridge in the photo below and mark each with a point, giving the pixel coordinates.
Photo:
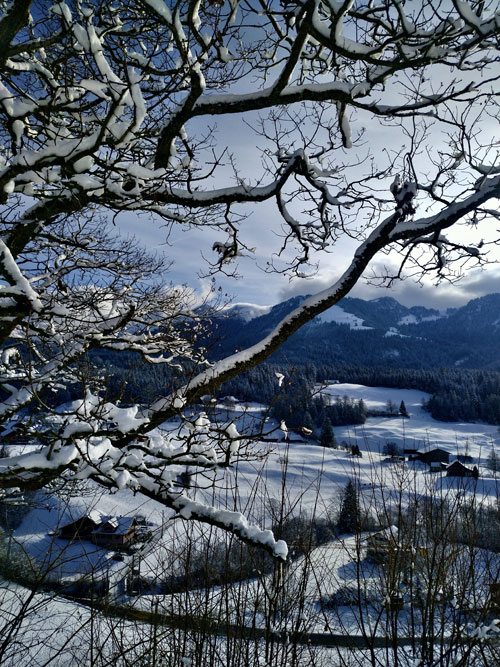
(379, 331)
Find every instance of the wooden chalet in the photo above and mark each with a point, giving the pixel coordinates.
(104, 531)
(380, 544)
(116, 531)
(436, 455)
(389, 549)
(82, 528)
(458, 469)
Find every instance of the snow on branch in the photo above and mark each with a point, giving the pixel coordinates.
(233, 521)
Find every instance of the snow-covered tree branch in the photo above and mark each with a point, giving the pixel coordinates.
(107, 111)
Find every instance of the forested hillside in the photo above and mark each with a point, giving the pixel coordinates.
(453, 356)
(379, 332)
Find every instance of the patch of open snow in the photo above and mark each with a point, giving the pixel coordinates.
(394, 332)
(411, 319)
(314, 474)
(420, 429)
(338, 315)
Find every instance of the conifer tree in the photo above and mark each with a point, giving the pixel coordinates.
(402, 410)
(349, 520)
(327, 438)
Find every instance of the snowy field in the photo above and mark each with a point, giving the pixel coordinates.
(420, 430)
(304, 476)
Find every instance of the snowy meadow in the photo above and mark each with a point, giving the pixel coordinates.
(397, 573)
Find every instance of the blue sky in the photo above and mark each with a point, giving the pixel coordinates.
(188, 248)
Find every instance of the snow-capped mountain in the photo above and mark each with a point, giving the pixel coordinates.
(356, 313)
(377, 332)
(246, 311)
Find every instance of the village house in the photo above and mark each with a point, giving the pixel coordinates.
(378, 545)
(388, 548)
(116, 531)
(104, 531)
(81, 528)
(458, 469)
(436, 455)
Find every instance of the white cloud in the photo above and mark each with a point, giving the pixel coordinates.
(475, 284)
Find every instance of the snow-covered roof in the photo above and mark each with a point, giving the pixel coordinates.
(390, 533)
(95, 516)
(119, 524)
(433, 449)
(458, 464)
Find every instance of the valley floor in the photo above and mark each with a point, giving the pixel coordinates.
(417, 581)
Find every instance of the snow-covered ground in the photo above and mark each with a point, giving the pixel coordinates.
(305, 477)
(420, 430)
(338, 315)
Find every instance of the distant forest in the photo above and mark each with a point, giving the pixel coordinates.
(456, 394)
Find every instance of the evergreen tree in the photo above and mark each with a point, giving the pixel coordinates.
(402, 410)
(327, 438)
(349, 520)
(493, 462)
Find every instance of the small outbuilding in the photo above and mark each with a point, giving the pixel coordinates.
(410, 452)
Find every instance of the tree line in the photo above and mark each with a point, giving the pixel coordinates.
(456, 394)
